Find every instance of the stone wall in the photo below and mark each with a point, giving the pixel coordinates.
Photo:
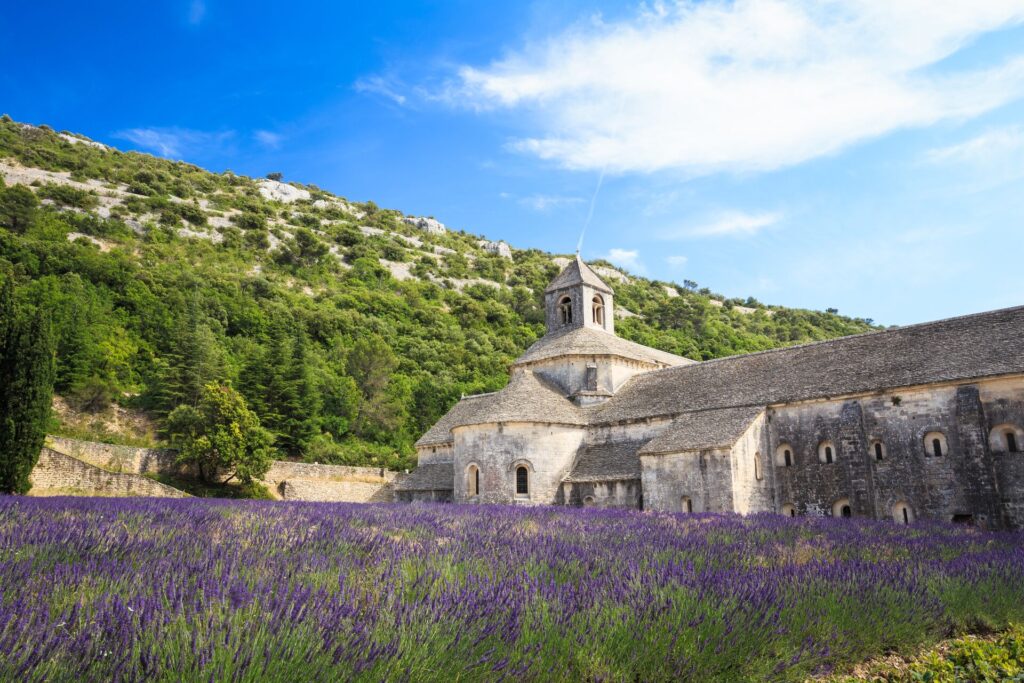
(117, 458)
(336, 491)
(59, 474)
(704, 477)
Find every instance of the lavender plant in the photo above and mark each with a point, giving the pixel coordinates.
(170, 590)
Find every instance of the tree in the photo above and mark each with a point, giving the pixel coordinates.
(275, 176)
(220, 436)
(26, 391)
(194, 358)
(18, 206)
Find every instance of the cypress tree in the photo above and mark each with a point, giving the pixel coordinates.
(27, 372)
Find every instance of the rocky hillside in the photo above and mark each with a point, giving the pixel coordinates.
(349, 328)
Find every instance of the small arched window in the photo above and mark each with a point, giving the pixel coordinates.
(598, 310)
(588, 501)
(757, 467)
(935, 445)
(902, 514)
(878, 450)
(686, 504)
(826, 452)
(789, 510)
(522, 481)
(784, 455)
(472, 481)
(565, 310)
(1006, 438)
(842, 508)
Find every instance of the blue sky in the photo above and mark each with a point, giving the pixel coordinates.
(866, 155)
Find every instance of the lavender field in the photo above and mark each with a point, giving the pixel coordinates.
(128, 590)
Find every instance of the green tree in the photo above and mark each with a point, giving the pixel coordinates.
(194, 359)
(18, 206)
(26, 391)
(220, 436)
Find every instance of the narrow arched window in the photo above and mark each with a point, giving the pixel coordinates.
(847, 511)
(902, 514)
(565, 310)
(935, 444)
(588, 501)
(757, 466)
(598, 310)
(686, 505)
(878, 450)
(472, 481)
(522, 481)
(937, 448)
(828, 454)
(789, 510)
(789, 458)
(842, 508)
(784, 455)
(1011, 442)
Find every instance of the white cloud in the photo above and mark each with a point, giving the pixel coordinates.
(174, 142)
(626, 258)
(727, 224)
(745, 85)
(993, 144)
(268, 138)
(543, 202)
(677, 261)
(196, 12)
(379, 85)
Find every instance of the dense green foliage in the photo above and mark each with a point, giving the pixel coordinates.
(220, 436)
(161, 277)
(26, 389)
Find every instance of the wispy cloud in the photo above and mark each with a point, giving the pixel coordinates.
(626, 258)
(992, 144)
(726, 224)
(268, 138)
(545, 202)
(379, 85)
(677, 261)
(196, 12)
(175, 142)
(744, 85)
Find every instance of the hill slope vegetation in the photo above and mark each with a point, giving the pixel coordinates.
(348, 328)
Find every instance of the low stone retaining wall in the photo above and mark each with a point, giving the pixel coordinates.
(56, 474)
(335, 491)
(284, 479)
(117, 458)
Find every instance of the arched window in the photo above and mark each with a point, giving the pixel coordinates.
(826, 452)
(902, 514)
(784, 455)
(878, 449)
(935, 445)
(789, 510)
(588, 501)
(1006, 438)
(522, 481)
(598, 311)
(472, 481)
(757, 467)
(842, 508)
(565, 310)
(686, 504)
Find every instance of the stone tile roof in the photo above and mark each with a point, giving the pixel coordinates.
(435, 477)
(969, 347)
(526, 398)
(704, 429)
(576, 273)
(606, 461)
(586, 341)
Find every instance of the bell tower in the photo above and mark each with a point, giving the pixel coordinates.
(578, 298)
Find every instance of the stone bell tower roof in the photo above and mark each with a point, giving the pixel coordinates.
(577, 273)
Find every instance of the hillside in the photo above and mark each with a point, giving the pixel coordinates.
(348, 328)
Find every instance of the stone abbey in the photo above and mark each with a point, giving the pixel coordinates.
(918, 422)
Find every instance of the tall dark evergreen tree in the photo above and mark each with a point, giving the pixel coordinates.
(194, 359)
(26, 390)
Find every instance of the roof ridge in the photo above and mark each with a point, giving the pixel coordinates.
(835, 340)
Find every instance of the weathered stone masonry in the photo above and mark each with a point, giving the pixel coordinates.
(925, 421)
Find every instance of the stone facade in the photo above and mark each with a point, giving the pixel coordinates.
(912, 423)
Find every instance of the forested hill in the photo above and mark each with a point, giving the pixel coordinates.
(348, 328)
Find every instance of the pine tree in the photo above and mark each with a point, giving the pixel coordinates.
(27, 372)
(194, 359)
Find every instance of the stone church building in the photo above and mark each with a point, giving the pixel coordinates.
(923, 421)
